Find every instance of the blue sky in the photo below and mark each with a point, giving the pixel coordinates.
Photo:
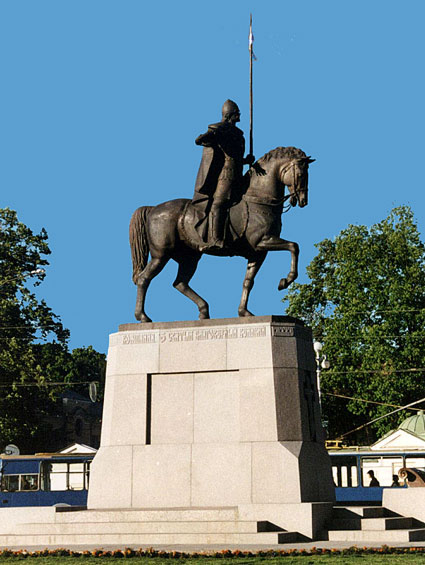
(101, 102)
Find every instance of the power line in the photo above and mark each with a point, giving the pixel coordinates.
(387, 372)
(30, 327)
(367, 401)
(402, 311)
(47, 384)
(416, 336)
(32, 337)
(381, 417)
(370, 313)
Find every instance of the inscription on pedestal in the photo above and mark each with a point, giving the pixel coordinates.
(201, 334)
(282, 331)
(133, 338)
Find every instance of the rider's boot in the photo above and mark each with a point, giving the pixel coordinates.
(218, 217)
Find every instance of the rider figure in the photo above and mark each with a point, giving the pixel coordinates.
(221, 168)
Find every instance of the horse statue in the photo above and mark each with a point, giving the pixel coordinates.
(168, 230)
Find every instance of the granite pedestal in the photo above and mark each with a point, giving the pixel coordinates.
(214, 414)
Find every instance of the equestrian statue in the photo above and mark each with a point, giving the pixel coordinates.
(230, 214)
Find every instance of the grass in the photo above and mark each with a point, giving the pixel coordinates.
(329, 559)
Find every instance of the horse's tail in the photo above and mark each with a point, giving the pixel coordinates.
(139, 243)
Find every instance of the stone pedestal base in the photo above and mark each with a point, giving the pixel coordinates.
(215, 413)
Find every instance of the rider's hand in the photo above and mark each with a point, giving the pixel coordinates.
(249, 159)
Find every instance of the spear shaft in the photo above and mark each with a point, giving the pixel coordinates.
(251, 105)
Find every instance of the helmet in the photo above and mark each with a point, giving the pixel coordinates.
(229, 108)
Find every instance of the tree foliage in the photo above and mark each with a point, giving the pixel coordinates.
(34, 350)
(366, 302)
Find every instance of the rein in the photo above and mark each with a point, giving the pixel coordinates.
(275, 202)
(296, 191)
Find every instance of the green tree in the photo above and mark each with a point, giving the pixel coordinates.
(75, 369)
(366, 302)
(33, 342)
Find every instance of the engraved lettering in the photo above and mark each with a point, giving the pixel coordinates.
(178, 336)
(216, 333)
(139, 338)
(282, 331)
(252, 332)
(202, 334)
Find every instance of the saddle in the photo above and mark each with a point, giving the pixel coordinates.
(194, 225)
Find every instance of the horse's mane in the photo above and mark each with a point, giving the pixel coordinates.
(280, 153)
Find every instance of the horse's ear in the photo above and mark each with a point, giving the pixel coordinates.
(310, 160)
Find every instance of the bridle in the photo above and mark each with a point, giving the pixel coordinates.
(276, 202)
(296, 192)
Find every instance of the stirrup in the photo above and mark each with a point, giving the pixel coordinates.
(217, 244)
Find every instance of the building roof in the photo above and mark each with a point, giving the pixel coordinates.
(415, 424)
(409, 434)
(78, 448)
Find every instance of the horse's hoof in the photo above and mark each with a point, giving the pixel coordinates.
(204, 314)
(144, 319)
(244, 313)
(283, 284)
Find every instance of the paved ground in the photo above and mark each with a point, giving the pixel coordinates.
(213, 548)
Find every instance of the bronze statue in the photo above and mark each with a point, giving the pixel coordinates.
(220, 172)
(170, 230)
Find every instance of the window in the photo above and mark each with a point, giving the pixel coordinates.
(58, 476)
(383, 469)
(29, 482)
(10, 483)
(78, 427)
(68, 476)
(76, 476)
(344, 471)
(14, 483)
(417, 462)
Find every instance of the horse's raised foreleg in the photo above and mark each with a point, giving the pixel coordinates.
(251, 270)
(278, 244)
(153, 268)
(187, 268)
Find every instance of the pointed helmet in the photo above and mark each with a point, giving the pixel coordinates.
(229, 108)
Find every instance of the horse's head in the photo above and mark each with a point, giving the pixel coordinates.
(293, 173)
(280, 167)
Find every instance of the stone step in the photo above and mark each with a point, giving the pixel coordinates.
(143, 527)
(379, 536)
(213, 514)
(173, 527)
(361, 511)
(397, 523)
(145, 540)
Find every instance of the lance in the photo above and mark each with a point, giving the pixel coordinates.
(251, 112)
